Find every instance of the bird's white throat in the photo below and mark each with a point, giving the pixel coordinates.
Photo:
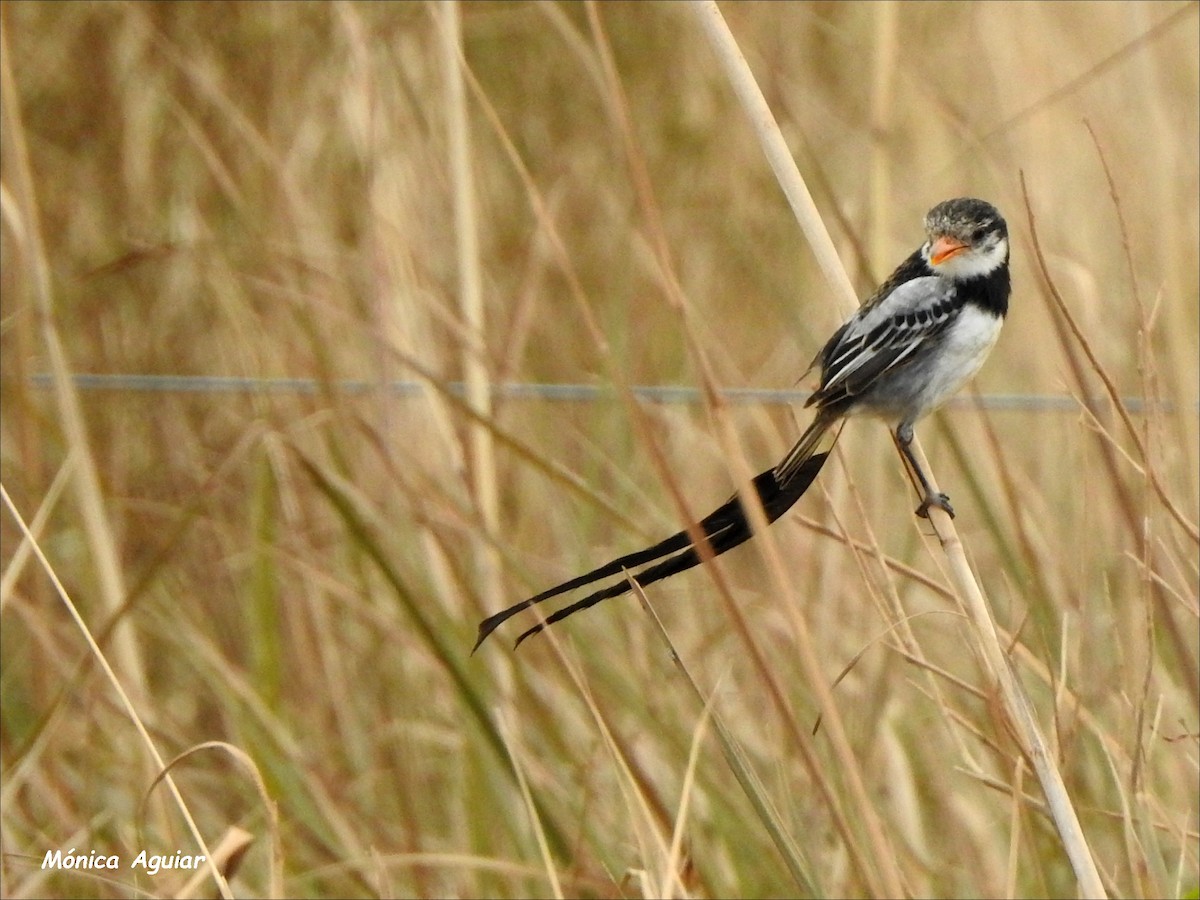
(974, 263)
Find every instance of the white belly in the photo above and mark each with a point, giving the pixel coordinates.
(927, 384)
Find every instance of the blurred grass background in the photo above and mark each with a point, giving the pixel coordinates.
(266, 191)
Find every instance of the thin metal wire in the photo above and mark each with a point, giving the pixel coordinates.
(518, 390)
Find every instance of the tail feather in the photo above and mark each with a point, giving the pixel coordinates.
(724, 528)
(630, 561)
(775, 500)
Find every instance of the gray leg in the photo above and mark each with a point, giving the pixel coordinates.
(904, 437)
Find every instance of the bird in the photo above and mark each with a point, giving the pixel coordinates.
(908, 348)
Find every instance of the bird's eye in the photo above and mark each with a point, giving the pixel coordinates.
(978, 234)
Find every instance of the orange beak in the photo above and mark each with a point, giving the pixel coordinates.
(944, 248)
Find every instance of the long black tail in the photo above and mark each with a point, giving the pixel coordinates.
(724, 528)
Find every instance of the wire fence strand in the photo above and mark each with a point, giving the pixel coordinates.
(527, 390)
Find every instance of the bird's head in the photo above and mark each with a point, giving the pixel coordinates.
(967, 239)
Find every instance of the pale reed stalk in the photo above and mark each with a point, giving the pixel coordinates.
(475, 359)
(967, 588)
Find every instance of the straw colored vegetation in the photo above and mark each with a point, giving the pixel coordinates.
(285, 582)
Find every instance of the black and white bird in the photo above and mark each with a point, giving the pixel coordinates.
(907, 349)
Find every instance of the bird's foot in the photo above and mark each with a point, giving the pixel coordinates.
(940, 500)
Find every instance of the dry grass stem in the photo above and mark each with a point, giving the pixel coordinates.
(328, 329)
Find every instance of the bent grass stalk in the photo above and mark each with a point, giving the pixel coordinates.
(967, 587)
(122, 695)
(268, 195)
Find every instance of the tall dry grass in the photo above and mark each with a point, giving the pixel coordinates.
(285, 582)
